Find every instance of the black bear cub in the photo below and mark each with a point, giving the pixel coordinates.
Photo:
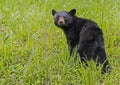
(83, 33)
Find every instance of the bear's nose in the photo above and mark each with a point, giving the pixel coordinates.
(61, 22)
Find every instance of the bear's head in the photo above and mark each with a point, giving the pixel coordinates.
(63, 18)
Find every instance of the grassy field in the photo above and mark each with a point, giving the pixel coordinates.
(33, 51)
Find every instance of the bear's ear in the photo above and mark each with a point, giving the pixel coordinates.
(72, 12)
(54, 12)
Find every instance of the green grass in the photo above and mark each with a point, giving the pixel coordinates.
(33, 51)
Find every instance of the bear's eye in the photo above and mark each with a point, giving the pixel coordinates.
(57, 17)
(64, 17)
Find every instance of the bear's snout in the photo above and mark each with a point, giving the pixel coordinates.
(61, 21)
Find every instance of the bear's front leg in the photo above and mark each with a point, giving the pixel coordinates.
(70, 47)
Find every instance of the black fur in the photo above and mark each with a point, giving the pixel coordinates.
(85, 34)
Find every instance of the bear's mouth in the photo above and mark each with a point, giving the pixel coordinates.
(61, 23)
